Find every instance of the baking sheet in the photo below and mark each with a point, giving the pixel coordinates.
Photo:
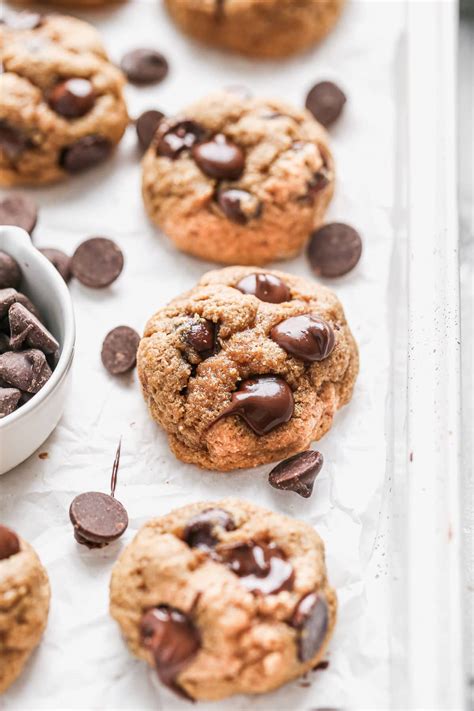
(82, 662)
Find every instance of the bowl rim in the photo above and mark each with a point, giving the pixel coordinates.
(9, 237)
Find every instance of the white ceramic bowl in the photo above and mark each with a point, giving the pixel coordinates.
(27, 428)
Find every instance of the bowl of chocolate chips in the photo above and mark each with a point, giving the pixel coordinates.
(37, 336)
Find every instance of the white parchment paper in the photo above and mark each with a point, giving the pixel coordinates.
(82, 661)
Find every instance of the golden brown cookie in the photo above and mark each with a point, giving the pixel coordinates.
(248, 367)
(258, 28)
(24, 604)
(62, 108)
(224, 598)
(238, 180)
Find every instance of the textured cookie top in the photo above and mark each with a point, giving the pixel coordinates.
(240, 576)
(198, 351)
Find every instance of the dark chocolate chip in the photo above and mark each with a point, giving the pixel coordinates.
(28, 304)
(98, 519)
(266, 287)
(325, 101)
(9, 400)
(10, 272)
(219, 158)
(119, 350)
(202, 336)
(97, 262)
(178, 138)
(59, 260)
(26, 329)
(144, 66)
(311, 619)
(200, 531)
(19, 210)
(173, 640)
(146, 126)
(24, 20)
(9, 543)
(263, 402)
(12, 141)
(72, 98)
(4, 344)
(262, 568)
(27, 370)
(334, 250)
(318, 182)
(297, 473)
(238, 205)
(7, 298)
(86, 152)
(307, 337)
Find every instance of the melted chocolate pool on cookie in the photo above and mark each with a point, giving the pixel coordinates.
(266, 287)
(262, 567)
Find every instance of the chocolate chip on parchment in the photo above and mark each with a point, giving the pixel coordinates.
(200, 531)
(325, 101)
(26, 329)
(144, 66)
(238, 205)
(9, 400)
(19, 210)
(262, 567)
(119, 350)
(85, 153)
(334, 250)
(12, 141)
(97, 262)
(297, 473)
(59, 260)
(26, 370)
(219, 158)
(174, 641)
(146, 126)
(263, 402)
(10, 272)
(311, 618)
(265, 287)
(9, 543)
(179, 137)
(72, 98)
(308, 337)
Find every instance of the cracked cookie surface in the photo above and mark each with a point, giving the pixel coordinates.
(62, 108)
(232, 390)
(258, 28)
(224, 597)
(24, 605)
(238, 180)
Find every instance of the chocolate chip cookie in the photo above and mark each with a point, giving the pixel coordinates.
(248, 367)
(24, 604)
(224, 598)
(258, 28)
(62, 108)
(238, 180)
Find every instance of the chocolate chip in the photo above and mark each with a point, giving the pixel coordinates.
(27, 370)
(119, 350)
(318, 182)
(173, 640)
(10, 272)
(12, 141)
(72, 98)
(9, 400)
(146, 126)
(334, 250)
(19, 210)
(144, 66)
(9, 543)
(98, 519)
(24, 20)
(178, 138)
(28, 304)
(219, 158)
(4, 344)
(325, 101)
(263, 402)
(59, 260)
(262, 568)
(26, 329)
(238, 205)
(266, 287)
(311, 619)
(200, 531)
(86, 152)
(97, 262)
(307, 337)
(202, 336)
(297, 473)
(7, 298)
